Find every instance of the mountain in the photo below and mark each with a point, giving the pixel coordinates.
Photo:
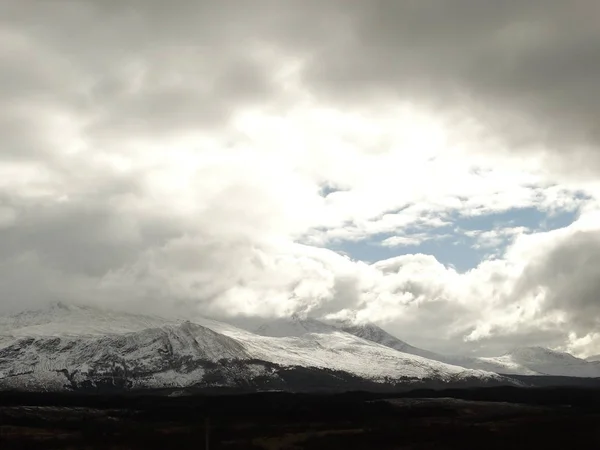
(78, 347)
(67, 347)
(374, 333)
(521, 361)
(61, 319)
(358, 342)
(593, 358)
(541, 361)
(295, 326)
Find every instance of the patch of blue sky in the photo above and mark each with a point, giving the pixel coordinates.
(327, 189)
(451, 250)
(450, 244)
(531, 218)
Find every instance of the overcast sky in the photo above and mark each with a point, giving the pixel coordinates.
(432, 166)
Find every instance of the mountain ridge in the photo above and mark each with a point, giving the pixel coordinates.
(64, 347)
(525, 360)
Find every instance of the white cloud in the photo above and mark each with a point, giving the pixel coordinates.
(410, 240)
(495, 238)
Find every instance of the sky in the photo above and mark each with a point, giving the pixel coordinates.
(431, 166)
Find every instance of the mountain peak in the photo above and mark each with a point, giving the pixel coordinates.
(298, 317)
(294, 326)
(59, 307)
(368, 331)
(63, 319)
(70, 307)
(537, 352)
(372, 332)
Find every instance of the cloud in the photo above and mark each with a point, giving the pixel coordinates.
(551, 288)
(526, 72)
(174, 158)
(414, 239)
(568, 275)
(494, 238)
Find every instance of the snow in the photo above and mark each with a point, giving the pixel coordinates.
(75, 320)
(543, 361)
(69, 344)
(374, 333)
(520, 361)
(330, 347)
(150, 354)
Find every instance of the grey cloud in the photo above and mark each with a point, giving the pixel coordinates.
(205, 95)
(570, 274)
(344, 294)
(83, 234)
(502, 341)
(134, 67)
(529, 70)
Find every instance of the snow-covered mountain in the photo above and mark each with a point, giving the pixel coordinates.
(61, 319)
(76, 347)
(540, 361)
(367, 336)
(521, 361)
(295, 326)
(374, 333)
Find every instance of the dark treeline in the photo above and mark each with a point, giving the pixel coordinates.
(549, 418)
(229, 402)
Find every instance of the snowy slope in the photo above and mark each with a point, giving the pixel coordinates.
(543, 361)
(521, 361)
(328, 346)
(374, 333)
(171, 355)
(60, 319)
(73, 347)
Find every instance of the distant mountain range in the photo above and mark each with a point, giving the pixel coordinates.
(532, 361)
(593, 358)
(520, 361)
(77, 348)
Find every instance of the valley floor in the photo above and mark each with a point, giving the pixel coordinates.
(494, 418)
